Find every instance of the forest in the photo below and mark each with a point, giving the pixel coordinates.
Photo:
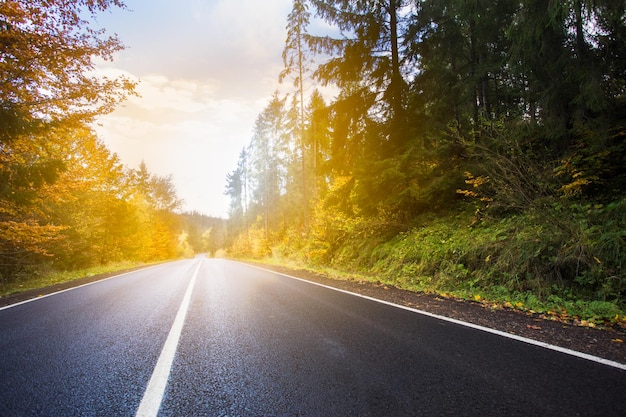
(66, 202)
(471, 148)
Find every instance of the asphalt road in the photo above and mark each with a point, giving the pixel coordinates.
(255, 343)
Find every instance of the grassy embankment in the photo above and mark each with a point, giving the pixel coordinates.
(38, 279)
(564, 262)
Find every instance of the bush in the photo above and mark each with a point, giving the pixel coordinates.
(556, 258)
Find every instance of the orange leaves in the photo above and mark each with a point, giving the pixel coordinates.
(47, 54)
(27, 236)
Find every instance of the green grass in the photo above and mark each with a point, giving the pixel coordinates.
(566, 269)
(566, 262)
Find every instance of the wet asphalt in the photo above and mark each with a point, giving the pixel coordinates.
(256, 343)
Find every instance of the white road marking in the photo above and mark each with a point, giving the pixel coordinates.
(151, 401)
(466, 324)
(30, 300)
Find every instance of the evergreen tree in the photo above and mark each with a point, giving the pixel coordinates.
(368, 60)
(318, 141)
(268, 152)
(295, 60)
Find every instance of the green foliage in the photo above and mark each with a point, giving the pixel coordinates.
(473, 148)
(596, 165)
(561, 258)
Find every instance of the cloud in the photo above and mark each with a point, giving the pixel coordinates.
(237, 42)
(157, 92)
(181, 127)
(206, 69)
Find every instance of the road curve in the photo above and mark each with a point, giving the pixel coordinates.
(256, 343)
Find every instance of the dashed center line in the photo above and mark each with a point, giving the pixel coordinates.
(152, 398)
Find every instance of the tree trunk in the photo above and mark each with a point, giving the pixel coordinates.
(397, 81)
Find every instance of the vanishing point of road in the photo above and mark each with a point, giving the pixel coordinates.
(211, 337)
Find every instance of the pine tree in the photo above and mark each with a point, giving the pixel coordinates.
(295, 60)
(369, 59)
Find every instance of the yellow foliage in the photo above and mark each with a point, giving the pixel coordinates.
(475, 182)
(252, 243)
(28, 235)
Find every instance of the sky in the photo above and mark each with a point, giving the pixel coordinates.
(206, 69)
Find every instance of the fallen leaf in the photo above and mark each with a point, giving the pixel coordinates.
(617, 341)
(532, 326)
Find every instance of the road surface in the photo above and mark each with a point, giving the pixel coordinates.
(209, 337)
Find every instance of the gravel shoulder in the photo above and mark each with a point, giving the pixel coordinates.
(604, 342)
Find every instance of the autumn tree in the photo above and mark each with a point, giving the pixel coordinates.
(89, 190)
(156, 200)
(48, 51)
(159, 192)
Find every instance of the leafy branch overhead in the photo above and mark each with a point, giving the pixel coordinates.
(47, 58)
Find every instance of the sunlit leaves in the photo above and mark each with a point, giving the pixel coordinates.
(65, 200)
(158, 192)
(47, 50)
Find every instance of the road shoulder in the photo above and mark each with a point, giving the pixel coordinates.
(40, 292)
(605, 342)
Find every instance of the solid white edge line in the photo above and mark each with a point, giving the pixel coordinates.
(41, 297)
(152, 397)
(462, 323)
